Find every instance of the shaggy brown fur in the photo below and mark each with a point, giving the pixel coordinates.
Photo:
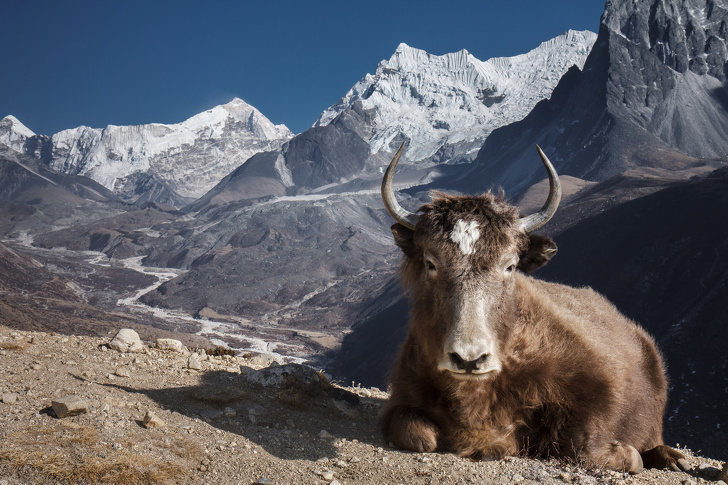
(577, 378)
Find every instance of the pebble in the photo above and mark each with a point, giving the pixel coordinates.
(9, 397)
(127, 340)
(122, 372)
(151, 420)
(264, 481)
(327, 475)
(689, 481)
(194, 362)
(170, 344)
(69, 406)
(325, 434)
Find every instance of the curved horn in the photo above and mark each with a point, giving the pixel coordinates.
(534, 221)
(406, 218)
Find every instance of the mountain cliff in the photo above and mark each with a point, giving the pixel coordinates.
(652, 91)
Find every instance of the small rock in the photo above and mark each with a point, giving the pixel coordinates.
(194, 362)
(516, 478)
(689, 481)
(127, 340)
(151, 420)
(354, 459)
(122, 372)
(69, 406)
(229, 412)
(334, 482)
(264, 481)
(170, 344)
(263, 360)
(709, 471)
(325, 434)
(9, 397)
(327, 475)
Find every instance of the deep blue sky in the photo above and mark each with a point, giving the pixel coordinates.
(69, 63)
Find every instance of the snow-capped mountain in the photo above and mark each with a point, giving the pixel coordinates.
(444, 106)
(455, 98)
(13, 133)
(652, 95)
(180, 160)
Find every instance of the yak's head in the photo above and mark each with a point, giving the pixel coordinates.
(461, 254)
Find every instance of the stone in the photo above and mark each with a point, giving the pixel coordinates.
(170, 344)
(122, 372)
(263, 360)
(69, 406)
(9, 397)
(151, 420)
(127, 340)
(194, 362)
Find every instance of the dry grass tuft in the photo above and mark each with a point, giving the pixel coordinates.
(12, 346)
(74, 454)
(219, 351)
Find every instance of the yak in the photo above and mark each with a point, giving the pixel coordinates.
(498, 363)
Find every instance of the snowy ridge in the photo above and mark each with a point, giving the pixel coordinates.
(191, 157)
(438, 100)
(13, 133)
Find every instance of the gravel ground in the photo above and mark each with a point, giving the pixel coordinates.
(234, 421)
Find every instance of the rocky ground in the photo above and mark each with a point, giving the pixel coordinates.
(180, 416)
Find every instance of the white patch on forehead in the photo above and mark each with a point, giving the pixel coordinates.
(465, 235)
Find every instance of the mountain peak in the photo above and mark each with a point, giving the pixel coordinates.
(13, 123)
(13, 133)
(454, 98)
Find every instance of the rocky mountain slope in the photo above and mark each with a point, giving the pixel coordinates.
(75, 410)
(455, 99)
(163, 163)
(444, 106)
(652, 94)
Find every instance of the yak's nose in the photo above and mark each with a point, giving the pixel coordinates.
(470, 366)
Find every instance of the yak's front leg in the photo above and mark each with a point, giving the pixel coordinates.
(410, 429)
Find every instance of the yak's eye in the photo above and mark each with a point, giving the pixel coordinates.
(511, 267)
(430, 266)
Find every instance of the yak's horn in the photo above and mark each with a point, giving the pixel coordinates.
(404, 217)
(534, 221)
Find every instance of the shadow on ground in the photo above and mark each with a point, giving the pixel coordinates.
(291, 411)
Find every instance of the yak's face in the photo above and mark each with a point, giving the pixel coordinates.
(461, 261)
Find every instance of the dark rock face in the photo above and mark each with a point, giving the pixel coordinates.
(656, 78)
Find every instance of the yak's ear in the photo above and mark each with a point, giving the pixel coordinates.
(405, 239)
(540, 250)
